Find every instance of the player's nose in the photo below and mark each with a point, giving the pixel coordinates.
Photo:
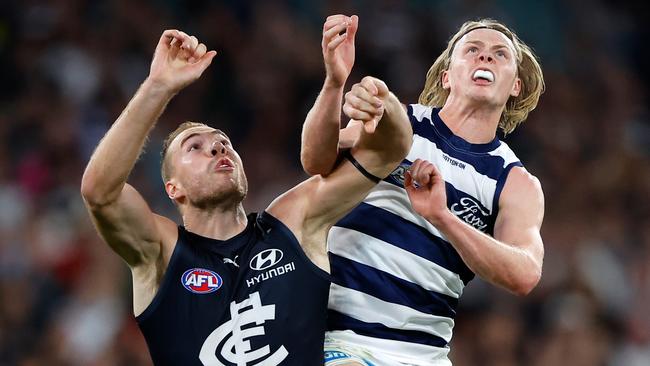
(218, 148)
(485, 57)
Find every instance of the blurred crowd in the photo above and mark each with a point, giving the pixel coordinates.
(68, 68)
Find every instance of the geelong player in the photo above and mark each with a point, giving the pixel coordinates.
(226, 288)
(401, 259)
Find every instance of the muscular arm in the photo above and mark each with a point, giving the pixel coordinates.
(513, 258)
(121, 215)
(320, 134)
(312, 207)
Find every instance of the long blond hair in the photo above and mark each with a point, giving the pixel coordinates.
(528, 70)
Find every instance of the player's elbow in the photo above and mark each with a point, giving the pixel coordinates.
(92, 192)
(526, 283)
(314, 166)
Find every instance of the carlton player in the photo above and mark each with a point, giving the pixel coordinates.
(226, 288)
(401, 259)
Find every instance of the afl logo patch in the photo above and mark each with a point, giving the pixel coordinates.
(266, 259)
(201, 281)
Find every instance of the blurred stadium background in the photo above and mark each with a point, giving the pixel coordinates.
(67, 68)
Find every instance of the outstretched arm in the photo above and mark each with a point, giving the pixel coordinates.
(119, 212)
(513, 258)
(320, 134)
(312, 207)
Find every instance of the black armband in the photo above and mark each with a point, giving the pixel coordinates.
(348, 155)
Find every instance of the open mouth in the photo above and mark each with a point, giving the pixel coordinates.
(483, 76)
(224, 164)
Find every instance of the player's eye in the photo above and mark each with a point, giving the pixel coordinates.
(472, 50)
(194, 146)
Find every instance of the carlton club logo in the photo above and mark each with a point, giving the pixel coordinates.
(231, 340)
(201, 281)
(265, 259)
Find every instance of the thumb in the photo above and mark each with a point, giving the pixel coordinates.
(382, 88)
(352, 29)
(408, 183)
(370, 126)
(206, 60)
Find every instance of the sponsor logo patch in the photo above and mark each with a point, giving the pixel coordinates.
(265, 259)
(201, 281)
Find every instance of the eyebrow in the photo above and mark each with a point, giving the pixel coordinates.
(497, 46)
(213, 132)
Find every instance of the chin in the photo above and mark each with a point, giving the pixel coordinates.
(223, 196)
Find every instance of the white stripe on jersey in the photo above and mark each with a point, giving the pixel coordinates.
(404, 352)
(395, 261)
(370, 309)
(506, 153)
(421, 111)
(395, 200)
(467, 180)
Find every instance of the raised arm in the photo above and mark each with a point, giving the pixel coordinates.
(120, 214)
(312, 207)
(513, 258)
(320, 134)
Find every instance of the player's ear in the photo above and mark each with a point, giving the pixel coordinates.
(174, 190)
(445, 79)
(516, 88)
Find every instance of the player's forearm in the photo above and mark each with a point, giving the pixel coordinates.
(391, 141)
(510, 267)
(116, 154)
(320, 133)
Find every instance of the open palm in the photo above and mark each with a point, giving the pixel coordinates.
(338, 47)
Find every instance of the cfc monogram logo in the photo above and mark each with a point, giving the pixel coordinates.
(236, 348)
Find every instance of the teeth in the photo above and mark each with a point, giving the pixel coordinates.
(484, 74)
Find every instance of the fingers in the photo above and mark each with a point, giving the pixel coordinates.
(206, 60)
(333, 20)
(423, 173)
(378, 87)
(181, 45)
(362, 105)
(338, 28)
(332, 38)
(200, 50)
(371, 104)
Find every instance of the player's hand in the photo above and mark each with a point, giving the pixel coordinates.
(338, 47)
(426, 190)
(179, 60)
(365, 102)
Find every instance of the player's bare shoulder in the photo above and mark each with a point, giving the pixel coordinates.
(522, 187)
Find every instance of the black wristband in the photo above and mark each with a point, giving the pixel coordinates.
(348, 155)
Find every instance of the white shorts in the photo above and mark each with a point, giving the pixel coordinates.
(338, 353)
(341, 348)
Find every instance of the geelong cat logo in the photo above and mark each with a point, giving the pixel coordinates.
(266, 259)
(201, 281)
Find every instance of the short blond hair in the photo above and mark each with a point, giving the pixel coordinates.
(528, 70)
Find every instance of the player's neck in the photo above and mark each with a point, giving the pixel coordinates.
(216, 223)
(475, 123)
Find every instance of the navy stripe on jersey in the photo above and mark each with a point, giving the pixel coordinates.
(489, 165)
(500, 183)
(384, 286)
(339, 321)
(406, 235)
